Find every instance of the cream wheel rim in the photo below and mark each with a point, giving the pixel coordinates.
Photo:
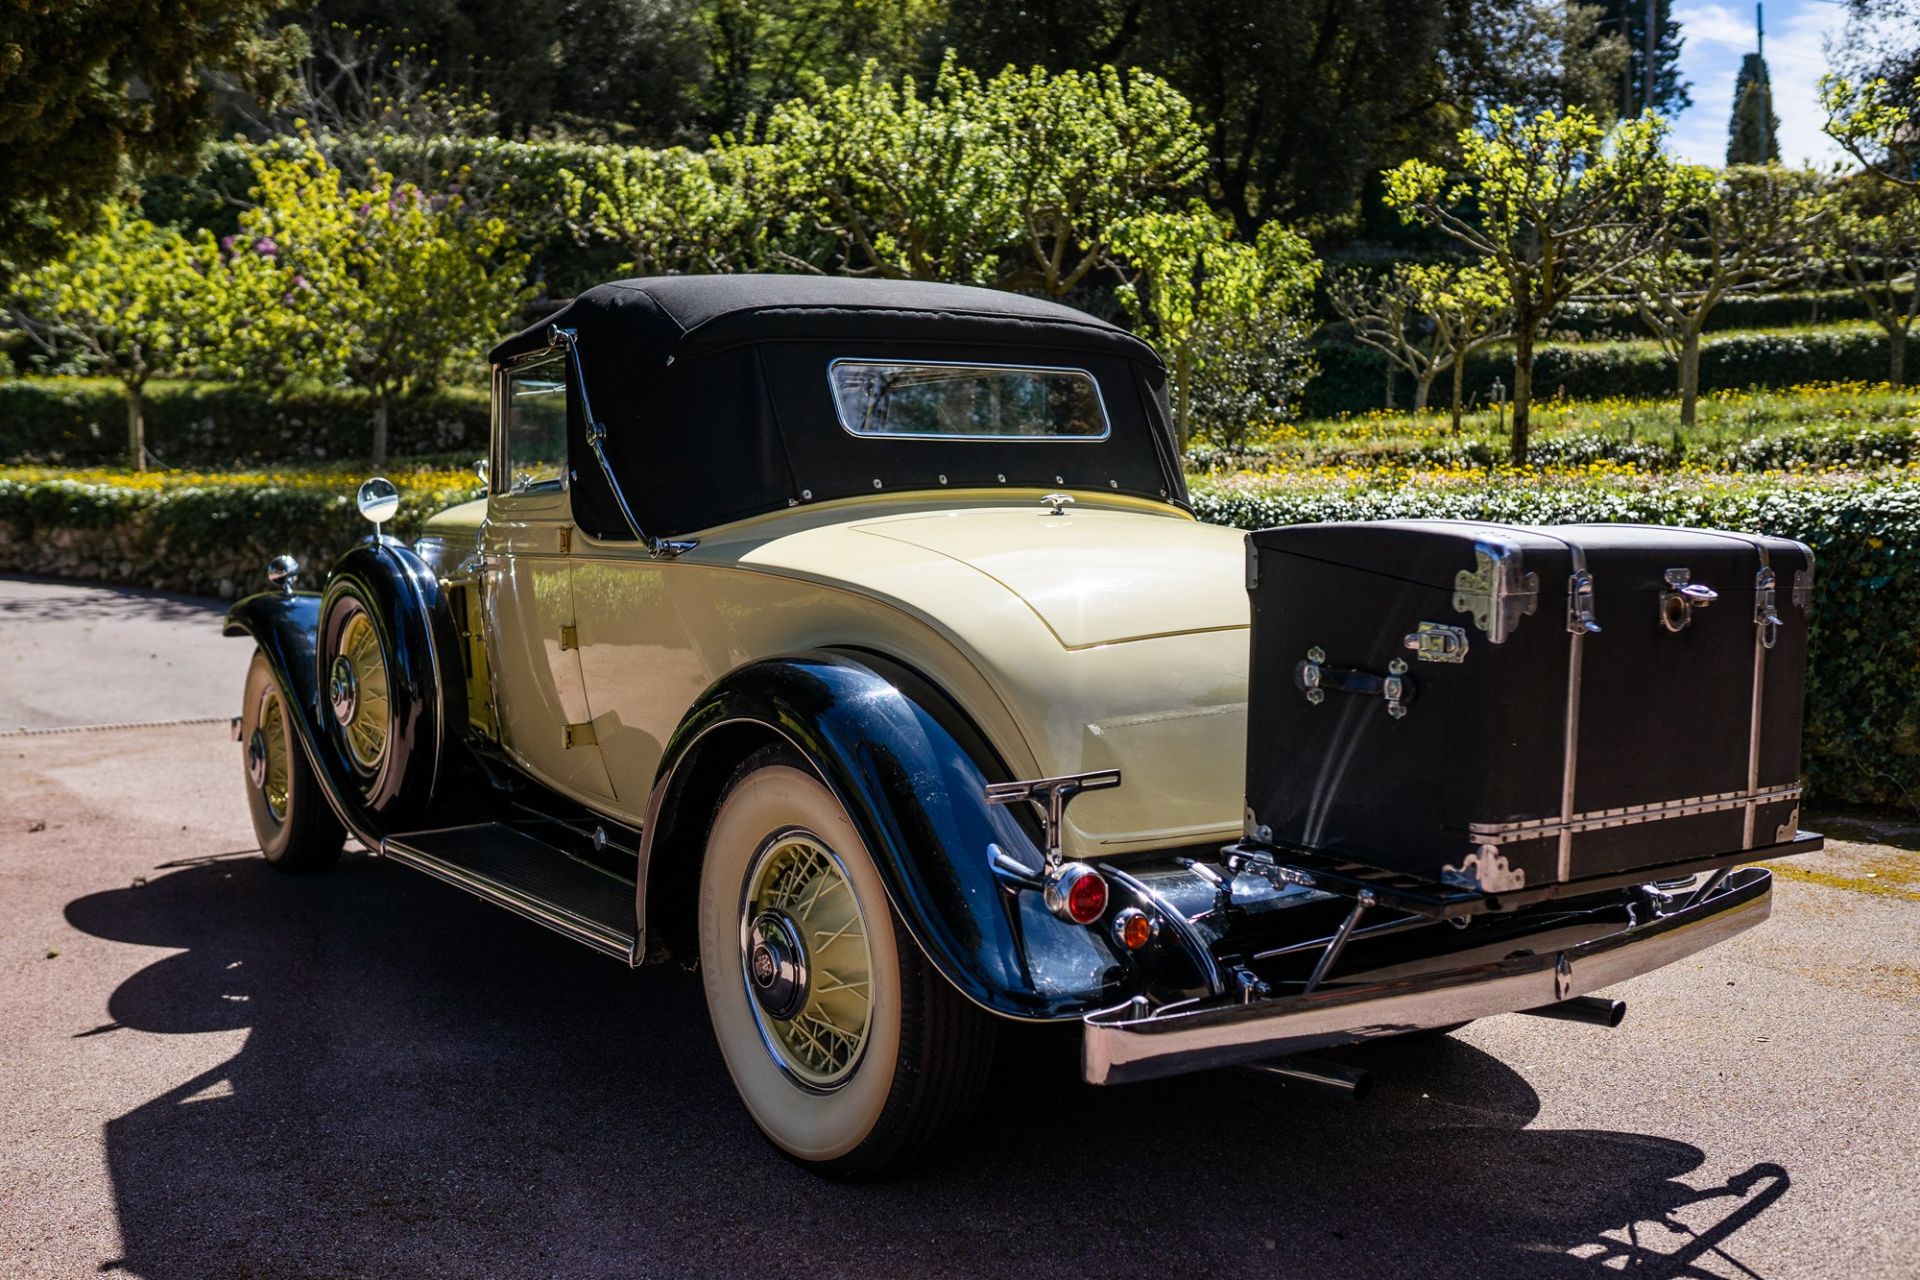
(267, 763)
(805, 960)
(357, 686)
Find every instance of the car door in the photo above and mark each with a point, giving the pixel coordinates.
(545, 721)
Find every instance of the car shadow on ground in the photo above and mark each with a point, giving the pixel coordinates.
(71, 601)
(429, 1086)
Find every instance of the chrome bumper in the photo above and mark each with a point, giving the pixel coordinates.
(1128, 1043)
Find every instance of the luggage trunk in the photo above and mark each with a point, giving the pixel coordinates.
(1505, 707)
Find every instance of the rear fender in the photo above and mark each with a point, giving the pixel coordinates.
(917, 796)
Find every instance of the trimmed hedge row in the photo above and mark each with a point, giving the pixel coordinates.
(1742, 311)
(1863, 694)
(204, 534)
(1353, 379)
(82, 422)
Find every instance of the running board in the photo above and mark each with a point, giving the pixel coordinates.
(525, 874)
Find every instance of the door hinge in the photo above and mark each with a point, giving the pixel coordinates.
(581, 735)
(569, 637)
(566, 541)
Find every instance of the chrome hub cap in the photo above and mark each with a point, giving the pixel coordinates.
(777, 964)
(341, 691)
(805, 959)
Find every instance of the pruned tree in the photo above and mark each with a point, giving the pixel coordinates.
(1551, 202)
(128, 300)
(377, 283)
(1426, 318)
(1714, 234)
(1878, 123)
(678, 211)
(1870, 238)
(1233, 317)
(1018, 180)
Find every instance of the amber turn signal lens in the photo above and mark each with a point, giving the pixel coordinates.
(1132, 930)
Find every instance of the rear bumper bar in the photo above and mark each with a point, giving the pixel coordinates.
(1130, 1043)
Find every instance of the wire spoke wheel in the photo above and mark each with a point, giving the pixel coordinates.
(362, 700)
(268, 756)
(806, 958)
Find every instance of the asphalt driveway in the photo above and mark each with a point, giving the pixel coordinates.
(208, 1069)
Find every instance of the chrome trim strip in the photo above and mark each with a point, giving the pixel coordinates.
(1570, 760)
(1629, 815)
(558, 919)
(1120, 1045)
(1753, 714)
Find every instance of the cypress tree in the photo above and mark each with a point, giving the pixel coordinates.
(1753, 136)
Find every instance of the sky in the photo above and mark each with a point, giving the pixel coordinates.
(1716, 36)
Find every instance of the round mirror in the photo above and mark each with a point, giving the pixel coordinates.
(379, 499)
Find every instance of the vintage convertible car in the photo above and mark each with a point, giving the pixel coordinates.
(855, 638)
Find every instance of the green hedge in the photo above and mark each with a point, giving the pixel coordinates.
(1352, 378)
(204, 534)
(1863, 695)
(1590, 320)
(82, 422)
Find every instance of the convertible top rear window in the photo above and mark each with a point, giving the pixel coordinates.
(951, 401)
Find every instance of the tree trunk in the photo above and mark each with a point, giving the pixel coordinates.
(1896, 356)
(382, 416)
(136, 427)
(1423, 390)
(1387, 385)
(1522, 392)
(1689, 377)
(1459, 386)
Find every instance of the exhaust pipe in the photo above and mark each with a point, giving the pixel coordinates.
(1588, 1009)
(1350, 1083)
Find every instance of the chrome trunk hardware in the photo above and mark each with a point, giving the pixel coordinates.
(1496, 591)
(1314, 677)
(1498, 833)
(659, 548)
(1802, 588)
(1438, 642)
(1580, 619)
(1486, 869)
(1057, 503)
(1681, 598)
(282, 573)
(1050, 798)
(1766, 615)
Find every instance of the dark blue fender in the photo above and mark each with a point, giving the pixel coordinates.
(429, 695)
(899, 767)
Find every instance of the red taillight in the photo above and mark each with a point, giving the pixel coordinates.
(1077, 893)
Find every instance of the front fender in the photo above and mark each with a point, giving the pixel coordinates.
(286, 626)
(917, 796)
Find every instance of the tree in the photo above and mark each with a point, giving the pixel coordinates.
(1666, 93)
(381, 284)
(1878, 124)
(1557, 56)
(1870, 237)
(1018, 180)
(1302, 103)
(96, 93)
(677, 210)
(761, 52)
(1553, 213)
(1715, 234)
(126, 300)
(1753, 136)
(1426, 318)
(1233, 317)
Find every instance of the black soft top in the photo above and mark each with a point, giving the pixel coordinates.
(716, 400)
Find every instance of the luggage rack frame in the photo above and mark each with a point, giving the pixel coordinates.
(1425, 901)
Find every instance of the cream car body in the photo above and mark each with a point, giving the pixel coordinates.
(1111, 636)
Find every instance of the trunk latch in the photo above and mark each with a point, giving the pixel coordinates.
(1766, 613)
(1314, 677)
(1681, 598)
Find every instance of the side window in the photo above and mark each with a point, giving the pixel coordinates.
(536, 427)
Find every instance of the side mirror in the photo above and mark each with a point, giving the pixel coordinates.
(378, 501)
(282, 573)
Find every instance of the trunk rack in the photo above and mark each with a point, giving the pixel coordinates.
(1425, 902)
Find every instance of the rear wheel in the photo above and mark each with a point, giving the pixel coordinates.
(292, 820)
(853, 1056)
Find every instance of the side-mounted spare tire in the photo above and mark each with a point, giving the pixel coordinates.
(388, 700)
